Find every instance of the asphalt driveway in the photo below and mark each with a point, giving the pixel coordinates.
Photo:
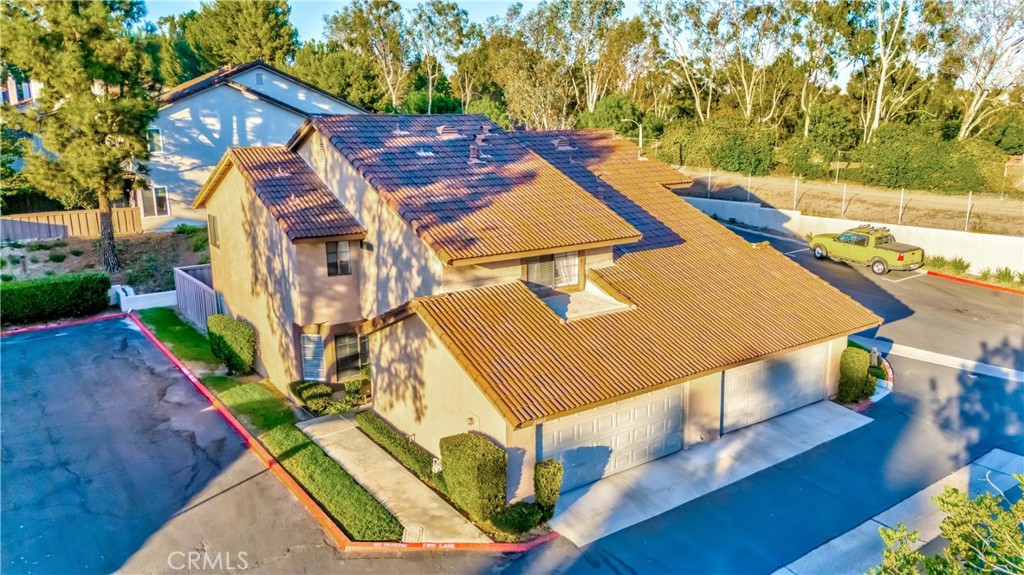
(111, 461)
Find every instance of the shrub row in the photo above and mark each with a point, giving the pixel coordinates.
(417, 459)
(317, 397)
(233, 342)
(855, 383)
(69, 295)
(474, 470)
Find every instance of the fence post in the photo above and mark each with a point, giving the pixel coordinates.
(748, 186)
(842, 206)
(899, 217)
(967, 223)
(709, 182)
(794, 192)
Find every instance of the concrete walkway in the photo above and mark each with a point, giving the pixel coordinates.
(860, 549)
(425, 516)
(593, 511)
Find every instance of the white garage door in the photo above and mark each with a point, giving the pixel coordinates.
(764, 389)
(609, 439)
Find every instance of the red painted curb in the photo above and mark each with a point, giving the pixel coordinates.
(326, 523)
(60, 324)
(976, 283)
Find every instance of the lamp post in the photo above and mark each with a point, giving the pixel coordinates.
(639, 150)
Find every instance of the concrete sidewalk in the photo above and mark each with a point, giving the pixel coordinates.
(593, 511)
(423, 513)
(860, 549)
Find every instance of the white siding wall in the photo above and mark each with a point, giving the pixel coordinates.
(197, 131)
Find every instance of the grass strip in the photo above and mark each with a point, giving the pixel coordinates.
(187, 342)
(347, 502)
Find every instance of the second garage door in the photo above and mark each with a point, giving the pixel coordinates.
(609, 439)
(764, 389)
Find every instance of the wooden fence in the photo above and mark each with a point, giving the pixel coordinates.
(197, 300)
(67, 224)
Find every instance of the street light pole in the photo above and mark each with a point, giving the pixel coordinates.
(641, 148)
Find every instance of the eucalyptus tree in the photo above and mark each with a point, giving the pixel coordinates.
(377, 29)
(438, 30)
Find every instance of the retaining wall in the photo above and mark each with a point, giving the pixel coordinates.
(981, 250)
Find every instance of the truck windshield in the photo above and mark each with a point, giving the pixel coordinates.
(885, 239)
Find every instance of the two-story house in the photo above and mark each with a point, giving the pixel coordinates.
(251, 104)
(546, 289)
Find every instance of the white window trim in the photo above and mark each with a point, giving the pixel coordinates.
(151, 190)
(160, 135)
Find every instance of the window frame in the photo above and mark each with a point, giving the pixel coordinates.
(341, 266)
(353, 358)
(551, 259)
(212, 233)
(150, 193)
(155, 149)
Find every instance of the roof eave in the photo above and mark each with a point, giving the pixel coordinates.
(456, 262)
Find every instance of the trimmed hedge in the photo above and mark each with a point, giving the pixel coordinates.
(474, 471)
(518, 517)
(547, 483)
(855, 383)
(69, 295)
(233, 342)
(317, 397)
(417, 459)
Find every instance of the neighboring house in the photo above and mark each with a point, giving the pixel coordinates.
(249, 104)
(545, 289)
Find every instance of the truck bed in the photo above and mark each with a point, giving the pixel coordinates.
(898, 247)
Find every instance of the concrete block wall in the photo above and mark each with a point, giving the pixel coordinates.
(981, 250)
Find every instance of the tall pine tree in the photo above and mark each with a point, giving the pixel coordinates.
(100, 80)
(238, 31)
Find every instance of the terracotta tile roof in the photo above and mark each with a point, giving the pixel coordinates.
(294, 195)
(705, 299)
(512, 203)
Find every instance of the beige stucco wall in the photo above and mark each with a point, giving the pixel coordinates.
(457, 278)
(702, 409)
(396, 265)
(521, 446)
(420, 389)
(835, 351)
(254, 271)
(326, 299)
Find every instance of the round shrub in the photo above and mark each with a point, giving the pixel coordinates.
(233, 342)
(547, 483)
(57, 257)
(69, 295)
(855, 383)
(518, 517)
(474, 470)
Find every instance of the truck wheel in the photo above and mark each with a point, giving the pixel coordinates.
(879, 267)
(820, 252)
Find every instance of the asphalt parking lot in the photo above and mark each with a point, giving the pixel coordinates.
(111, 461)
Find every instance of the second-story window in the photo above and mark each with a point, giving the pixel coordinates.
(339, 261)
(556, 270)
(156, 140)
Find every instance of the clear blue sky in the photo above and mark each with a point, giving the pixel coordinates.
(308, 15)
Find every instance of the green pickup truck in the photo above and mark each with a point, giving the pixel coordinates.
(868, 246)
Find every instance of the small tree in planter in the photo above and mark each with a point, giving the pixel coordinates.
(547, 484)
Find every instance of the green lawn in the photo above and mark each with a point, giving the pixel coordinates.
(268, 416)
(188, 343)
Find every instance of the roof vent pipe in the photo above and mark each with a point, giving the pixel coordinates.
(480, 139)
(474, 154)
(485, 128)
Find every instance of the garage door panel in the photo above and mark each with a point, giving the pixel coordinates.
(766, 389)
(623, 435)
